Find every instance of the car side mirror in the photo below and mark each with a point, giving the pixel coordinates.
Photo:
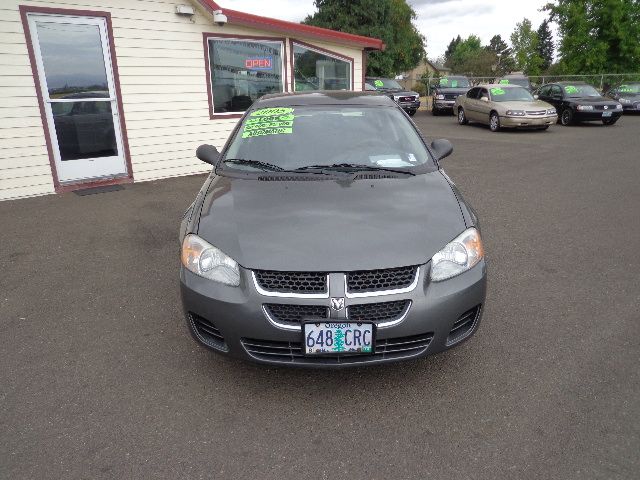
(442, 148)
(536, 96)
(484, 99)
(208, 154)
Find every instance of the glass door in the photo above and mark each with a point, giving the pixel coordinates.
(74, 66)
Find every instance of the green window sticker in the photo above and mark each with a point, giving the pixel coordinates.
(454, 83)
(504, 81)
(497, 91)
(269, 121)
(625, 88)
(378, 83)
(571, 89)
(444, 82)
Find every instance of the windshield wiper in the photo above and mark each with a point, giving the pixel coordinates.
(265, 166)
(352, 167)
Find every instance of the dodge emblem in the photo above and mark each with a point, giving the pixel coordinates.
(337, 303)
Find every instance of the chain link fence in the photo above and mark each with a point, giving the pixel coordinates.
(602, 82)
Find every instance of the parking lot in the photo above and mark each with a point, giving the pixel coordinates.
(100, 378)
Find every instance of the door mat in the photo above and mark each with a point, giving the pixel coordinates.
(94, 190)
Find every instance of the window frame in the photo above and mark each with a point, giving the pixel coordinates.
(207, 36)
(323, 51)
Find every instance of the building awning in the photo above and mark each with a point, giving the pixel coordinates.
(235, 17)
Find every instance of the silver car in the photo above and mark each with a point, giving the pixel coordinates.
(504, 106)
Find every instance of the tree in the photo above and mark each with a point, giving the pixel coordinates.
(545, 45)
(525, 48)
(470, 57)
(389, 20)
(452, 47)
(597, 36)
(499, 47)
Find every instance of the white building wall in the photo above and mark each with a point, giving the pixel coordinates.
(161, 63)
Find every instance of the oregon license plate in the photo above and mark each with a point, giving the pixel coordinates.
(606, 114)
(338, 337)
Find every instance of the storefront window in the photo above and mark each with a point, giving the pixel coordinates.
(317, 71)
(242, 71)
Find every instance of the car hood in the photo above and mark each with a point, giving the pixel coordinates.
(519, 105)
(325, 225)
(592, 100)
(400, 93)
(456, 91)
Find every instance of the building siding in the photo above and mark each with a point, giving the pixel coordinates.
(163, 86)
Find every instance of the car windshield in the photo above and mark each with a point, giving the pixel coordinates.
(510, 94)
(454, 82)
(298, 137)
(523, 82)
(629, 88)
(580, 91)
(384, 84)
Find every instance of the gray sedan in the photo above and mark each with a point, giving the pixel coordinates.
(327, 234)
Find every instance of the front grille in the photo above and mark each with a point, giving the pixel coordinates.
(291, 352)
(378, 280)
(287, 313)
(377, 312)
(407, 99)
(450, 96)
(536, 113)
(463, 326)
(292, 282)
(207, 332)
(609, 107)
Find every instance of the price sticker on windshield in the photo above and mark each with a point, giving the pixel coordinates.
(269, 121)
(497, 91)
(378, 83)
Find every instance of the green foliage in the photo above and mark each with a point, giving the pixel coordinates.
(471, 58)
(453, 44)
(389, 20)
(505, 62)
(524, 41)
(598, 36)
(545, 45)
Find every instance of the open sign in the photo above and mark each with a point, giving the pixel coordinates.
(259, 63)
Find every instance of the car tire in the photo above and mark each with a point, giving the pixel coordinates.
(434, 112)
(566, 117)
(494, 122)
(609, 121)
(411, 113)
(462, 118)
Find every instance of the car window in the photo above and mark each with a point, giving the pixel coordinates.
(510, 94)
(628, 88)
(454, 82)
(384, 84)
(473, 93)
(287, 136)
(484, 93)
(556, 91)
(580, 90)
(545, 91)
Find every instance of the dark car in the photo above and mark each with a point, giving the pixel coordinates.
(317, 241)
(628, 95)
(519, 80)
(446, 91)
(407, 99)
(578, 102)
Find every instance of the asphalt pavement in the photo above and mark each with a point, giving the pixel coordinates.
(99, 377)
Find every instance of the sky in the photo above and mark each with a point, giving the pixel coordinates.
(438, 20)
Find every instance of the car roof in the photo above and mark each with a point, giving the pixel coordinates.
(498, 85)
(569, 82)
(325, 97)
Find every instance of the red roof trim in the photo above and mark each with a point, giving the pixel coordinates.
(256, 21)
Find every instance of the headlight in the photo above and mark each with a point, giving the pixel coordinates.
(552, 111)
(209, 262)
(439, 97)
(584, 107)
(515, 113)
(458, 256)
(619, 106)
(396, 98)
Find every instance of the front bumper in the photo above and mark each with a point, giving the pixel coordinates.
(590, 116)
(241, 328)
(410, 106)
(444, 104)
(631, 107)
(528, 121)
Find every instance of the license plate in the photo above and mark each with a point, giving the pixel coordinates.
(338, 338)
(606, 114)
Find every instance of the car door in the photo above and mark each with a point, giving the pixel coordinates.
(484, 108)
(470, 103)
(555, 97)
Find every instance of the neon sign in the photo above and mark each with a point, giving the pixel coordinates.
(259, 63)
